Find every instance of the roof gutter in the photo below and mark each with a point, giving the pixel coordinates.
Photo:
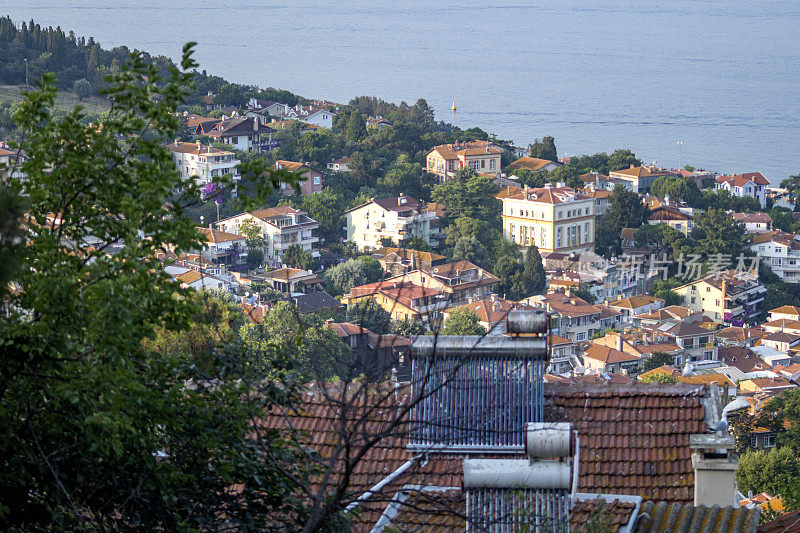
(385, 481)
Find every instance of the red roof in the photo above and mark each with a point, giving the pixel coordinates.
(740, 180)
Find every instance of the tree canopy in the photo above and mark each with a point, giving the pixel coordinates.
(462, 321)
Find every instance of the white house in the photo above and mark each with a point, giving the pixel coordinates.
(203, 281)
(203, 163)
(636, 305)
(754, 222)
(400, 218)
(311, 115)
(781, 252)
(281, 227)
(341, 164)
(751, 184)
(275, 109)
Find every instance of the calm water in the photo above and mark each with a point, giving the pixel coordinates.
(721, 76)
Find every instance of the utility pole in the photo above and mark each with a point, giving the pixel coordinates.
(26, 73)
(680, 154)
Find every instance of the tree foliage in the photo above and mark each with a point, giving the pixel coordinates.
(716, 232)
(621, 159)
(772, 471)
(100, 426)
(544, 149)
(462, 321)
(369, 314)
(657, 359)
(678, 189)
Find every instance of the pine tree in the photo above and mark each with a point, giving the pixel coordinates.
(535, 276)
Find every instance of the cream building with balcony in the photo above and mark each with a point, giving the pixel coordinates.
(556, 219)
(400, 218)
(729, 296)
(281, 227)
(447, 159)
(204, 164)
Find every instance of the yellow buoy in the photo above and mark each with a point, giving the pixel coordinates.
(453, 107)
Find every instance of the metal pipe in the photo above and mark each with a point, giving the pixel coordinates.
(478, 346)
(526, 321)
(516, 474)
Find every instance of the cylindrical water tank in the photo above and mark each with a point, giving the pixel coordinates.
(516, 474)
(549, 439)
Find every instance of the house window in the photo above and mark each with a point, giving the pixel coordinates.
(769, 441)
(580, 336)
(491, 164)
(483, 163)
(754, 442)
(317, 180)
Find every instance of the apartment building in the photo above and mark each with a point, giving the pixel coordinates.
(204, 164)
(556, 219)
(460, 281)
(447, 159)
(752, 184)
(281, 227)
(400, 219)
(221, 247)
(574, 318)
(730, 296)
(781, 252)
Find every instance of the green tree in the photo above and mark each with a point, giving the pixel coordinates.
(344, 276)
(677, 188)
(772, 471)
(792, 184)
(327, 208)
(625, 210)
(372, 268)
(512, 283)
(82, 88)
(716, 232)
(582, 291)
(621, 159)
(780, 411)
(295, 257)
(408, 327)
(99, 431)
(369, 314)
(472, 250)
(535, 276)
(658, 378)
(546, 149)
(470, 195)
(356, 129)
(462, 321)
(418, 243)
(657, 359)
(313, 348)
(407, 177)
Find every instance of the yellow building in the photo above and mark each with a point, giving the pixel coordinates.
(447, 159)
(556, 219)
(727, 296)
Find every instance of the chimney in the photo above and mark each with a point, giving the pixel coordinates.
(715, 465)
(255, 123)
(199, 147)
(493, 297)
(568, 293)
(176, 142)
(619, 342)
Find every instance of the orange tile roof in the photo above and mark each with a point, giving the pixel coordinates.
(466, 149)
(606, 354)
(530, 163)
(214, 235)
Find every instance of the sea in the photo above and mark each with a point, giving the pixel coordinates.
(710, 83)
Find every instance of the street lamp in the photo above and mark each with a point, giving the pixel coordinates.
(26, 73)
(680, 154)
